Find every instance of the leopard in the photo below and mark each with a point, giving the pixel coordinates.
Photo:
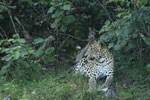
(96, 62)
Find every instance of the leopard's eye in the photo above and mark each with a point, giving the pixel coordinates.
(91, 58)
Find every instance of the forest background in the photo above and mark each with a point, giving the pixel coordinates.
(39, 41)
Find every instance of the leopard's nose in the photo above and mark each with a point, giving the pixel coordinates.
(91, 58)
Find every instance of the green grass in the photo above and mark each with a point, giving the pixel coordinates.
(65, 86)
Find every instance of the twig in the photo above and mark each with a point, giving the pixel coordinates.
(10, 15)
(105, 10)
(17, 20)
(1, 36)
(26, 34)
(62, 44)
(3, 32)
(143, 37)
(73, 37)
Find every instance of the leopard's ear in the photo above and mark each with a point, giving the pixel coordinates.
(92, 33)
(104, 45)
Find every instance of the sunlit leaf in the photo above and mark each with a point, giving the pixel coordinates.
(54, 25)
(21, 41)
(110, 45)
(51, 9)
(107, 22)
(38, 40)
(148, 67)
(16, 55)
(57, 13)
(49, 39)
(66, 7)
(50, 50)
(7, 57)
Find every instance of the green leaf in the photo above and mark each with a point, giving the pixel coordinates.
(12, 7)
(127, 29)
(52, 3)
(63, 28)
(117, 47)
(123, 43)
(130, 46)
(16, 55)
(49, 51)
(110, 45)
(16, 36)
(51, 9)
(2, 8)
(66, 7)
(29, 1)
(49, 39)
(69, 19)
(21, 41)
(7, 57)
(43, 46)
(43, 2)
(35, 4)
(39, 53)
(10, 40)
(23, 52)
(118, 32)
(23, 63)
(54, 25)
(57, 13)
(52, 59)
(107, 22)
(146, 40)
(58, 19)
(5, 68)
(106, 27)
(148, 67)
(38, 40)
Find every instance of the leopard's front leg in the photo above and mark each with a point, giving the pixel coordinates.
(107, 83)
(92, 84)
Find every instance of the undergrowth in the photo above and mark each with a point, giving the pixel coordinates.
(64, 86)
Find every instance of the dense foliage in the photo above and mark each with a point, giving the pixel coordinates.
(39, 37)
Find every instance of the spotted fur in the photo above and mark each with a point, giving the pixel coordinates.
(97, 63)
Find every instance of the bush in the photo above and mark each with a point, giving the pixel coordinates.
(129, 34)
(21, 61)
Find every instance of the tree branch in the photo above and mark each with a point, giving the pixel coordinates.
(105, 10)
(3, 32)
(63, 42)
(25, 33)
(10, 15)
(144, 39)
(74, 37)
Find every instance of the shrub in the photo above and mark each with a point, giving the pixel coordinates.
(21, 61)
